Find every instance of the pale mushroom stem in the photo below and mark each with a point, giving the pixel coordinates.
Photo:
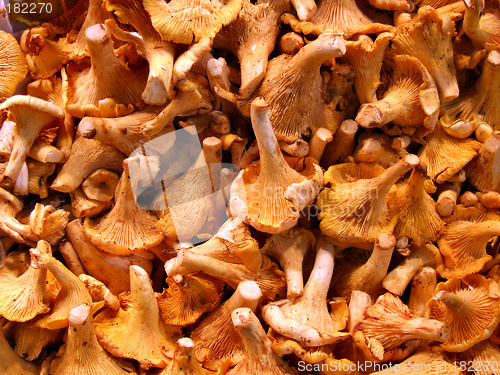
(342, 144)
(399, 278)
(316, 288)
(312, 56)
(247, 294)
(299, 148)
(392, 174)
(269, 150)
(472, 15)
(103, 58)
(144, 300)
(370, 152)
(447, 198)
(227, 272)
(422, 289)
(305, 9)
(417, 180)
(359, 302)
(318, 142)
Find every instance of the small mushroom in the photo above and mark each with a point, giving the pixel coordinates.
(31, 116)
(355, 212)
(100, 185)
(390, 323)
(184, 361)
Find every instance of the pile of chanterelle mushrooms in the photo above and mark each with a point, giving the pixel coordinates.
(337, 211)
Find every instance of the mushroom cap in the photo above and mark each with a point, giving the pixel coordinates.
(186, 22)
(470, 308)
(13, 67)
(184, 302)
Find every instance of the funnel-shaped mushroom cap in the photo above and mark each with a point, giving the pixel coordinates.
(463, 246)
(270, 194)
(289, 249)
(429, 40)
(44, 56)
(306, 319)
(184, 361)
(444, 156)
(479, 101)
(22, 298)
(188, 297)
(127, 228)
(255, 29)
(83, 355)
(260, 357)
(390, 322)
(138, 332)
(216, 340)
(103, 87)
(31, 116)
(348, 17)
(112, 270)
(11, 363)
(418, 219)
(12, 64)
(306, 110)
(367, 56)
(185, 22)
(482, 23)
(410, 101)
(72, 293)
(470, 308)
(356, 212)
(10, 206)
(483, 172)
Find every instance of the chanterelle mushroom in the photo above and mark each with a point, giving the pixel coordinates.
(469, 307)
(306, 110)
(11, 363)
(31, 116)
(82, 353)
(260, 357)
(270, 194)
(138, 332)
(306, 319)
(356, 212)
(483, 171)
(103, 82)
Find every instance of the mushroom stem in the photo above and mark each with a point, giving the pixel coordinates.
(451, 300)
(290, 43)
(392, 174)
(342, 144)
(316, 288)
(398, 279)
(468, 199)
(247, 294)
(401, 142)
(359, 302)
(312, 56)
(490, 199)
(45, 152)
(370, 152)
(299, 148)
(447, 198)
(423, 288)
(304, 8)
(318, 142)
(249, 156)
